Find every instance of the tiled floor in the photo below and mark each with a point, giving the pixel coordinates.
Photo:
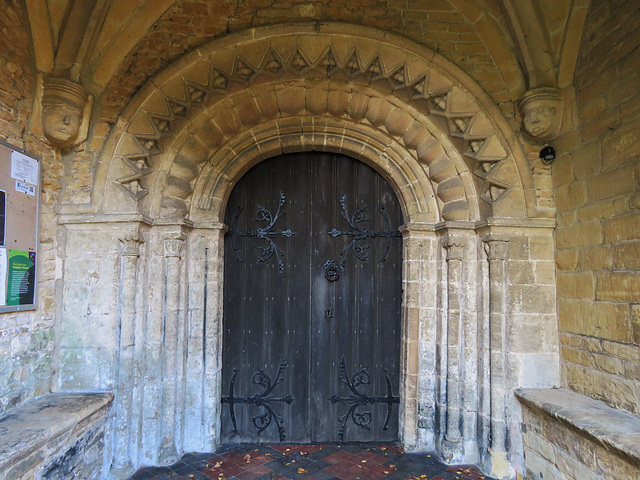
(309, 462)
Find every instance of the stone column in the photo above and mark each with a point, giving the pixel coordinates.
(122, 465)
(212, 385)
(204, 332)
(173, 248)
(452, 445)
(417, 413)
(497, 254)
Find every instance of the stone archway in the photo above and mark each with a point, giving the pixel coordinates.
(467, 195)
(376, 79)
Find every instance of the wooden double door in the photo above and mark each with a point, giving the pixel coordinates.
(312, 300)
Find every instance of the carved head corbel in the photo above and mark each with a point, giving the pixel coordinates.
(542, 113)
(65, 112)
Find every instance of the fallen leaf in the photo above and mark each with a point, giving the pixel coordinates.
(247, 458)
(302, 470)
(363, 461)
(217, 465)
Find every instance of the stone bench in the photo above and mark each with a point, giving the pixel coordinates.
(571, 436)
(54, 437)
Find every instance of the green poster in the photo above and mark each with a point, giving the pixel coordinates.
(21, 277)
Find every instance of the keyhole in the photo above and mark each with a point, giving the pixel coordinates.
(330, 313)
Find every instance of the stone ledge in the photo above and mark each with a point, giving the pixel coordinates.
(30, 427)
(616, 430)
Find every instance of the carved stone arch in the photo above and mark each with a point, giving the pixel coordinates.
(416, 194)
(403, 92)
(421, 163)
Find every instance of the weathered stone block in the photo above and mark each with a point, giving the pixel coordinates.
(627, 256)
(576, 285)
(618, 286)
(599, 319)
(595, 258)
(579, 235)
(54, 437)
(625, 227)
(566, 260)
(612, 183)
(581, 438)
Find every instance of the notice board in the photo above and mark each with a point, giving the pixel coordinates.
(19, 224)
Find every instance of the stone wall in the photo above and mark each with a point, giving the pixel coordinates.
(438, 24)
(597, 186)
(26, 338)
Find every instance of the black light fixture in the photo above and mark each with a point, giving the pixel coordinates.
(547, 154)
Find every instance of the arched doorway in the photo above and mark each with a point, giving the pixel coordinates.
(312, 303)
(473, 217)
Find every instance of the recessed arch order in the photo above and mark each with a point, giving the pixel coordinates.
(420, 121)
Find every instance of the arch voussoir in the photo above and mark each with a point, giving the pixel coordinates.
(407, 102)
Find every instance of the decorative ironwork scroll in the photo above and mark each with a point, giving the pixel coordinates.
(358, 233)
(358, 399)
(264, 400)
(266, 233)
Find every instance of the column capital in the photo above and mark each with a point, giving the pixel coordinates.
(131, 246)
(496, 249)
(455, 249)
(173, 247)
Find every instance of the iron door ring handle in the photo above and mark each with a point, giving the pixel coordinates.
(332, 270)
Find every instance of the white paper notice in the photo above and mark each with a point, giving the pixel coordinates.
(25, 188)
(3, 277)
(24, 168)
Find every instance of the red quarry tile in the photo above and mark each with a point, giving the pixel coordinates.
(383, 470)
(222, 457)
(371, 457)
(333, 459)
(211, 473)
(345, 471)
(248, 475)
(342, 457)
(393, 449)
(231, 469)
(258, 468)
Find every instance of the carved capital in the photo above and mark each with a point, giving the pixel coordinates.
(496, 249)
(173, 247)
(131, 246)
(455, 250)
(542, 113)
